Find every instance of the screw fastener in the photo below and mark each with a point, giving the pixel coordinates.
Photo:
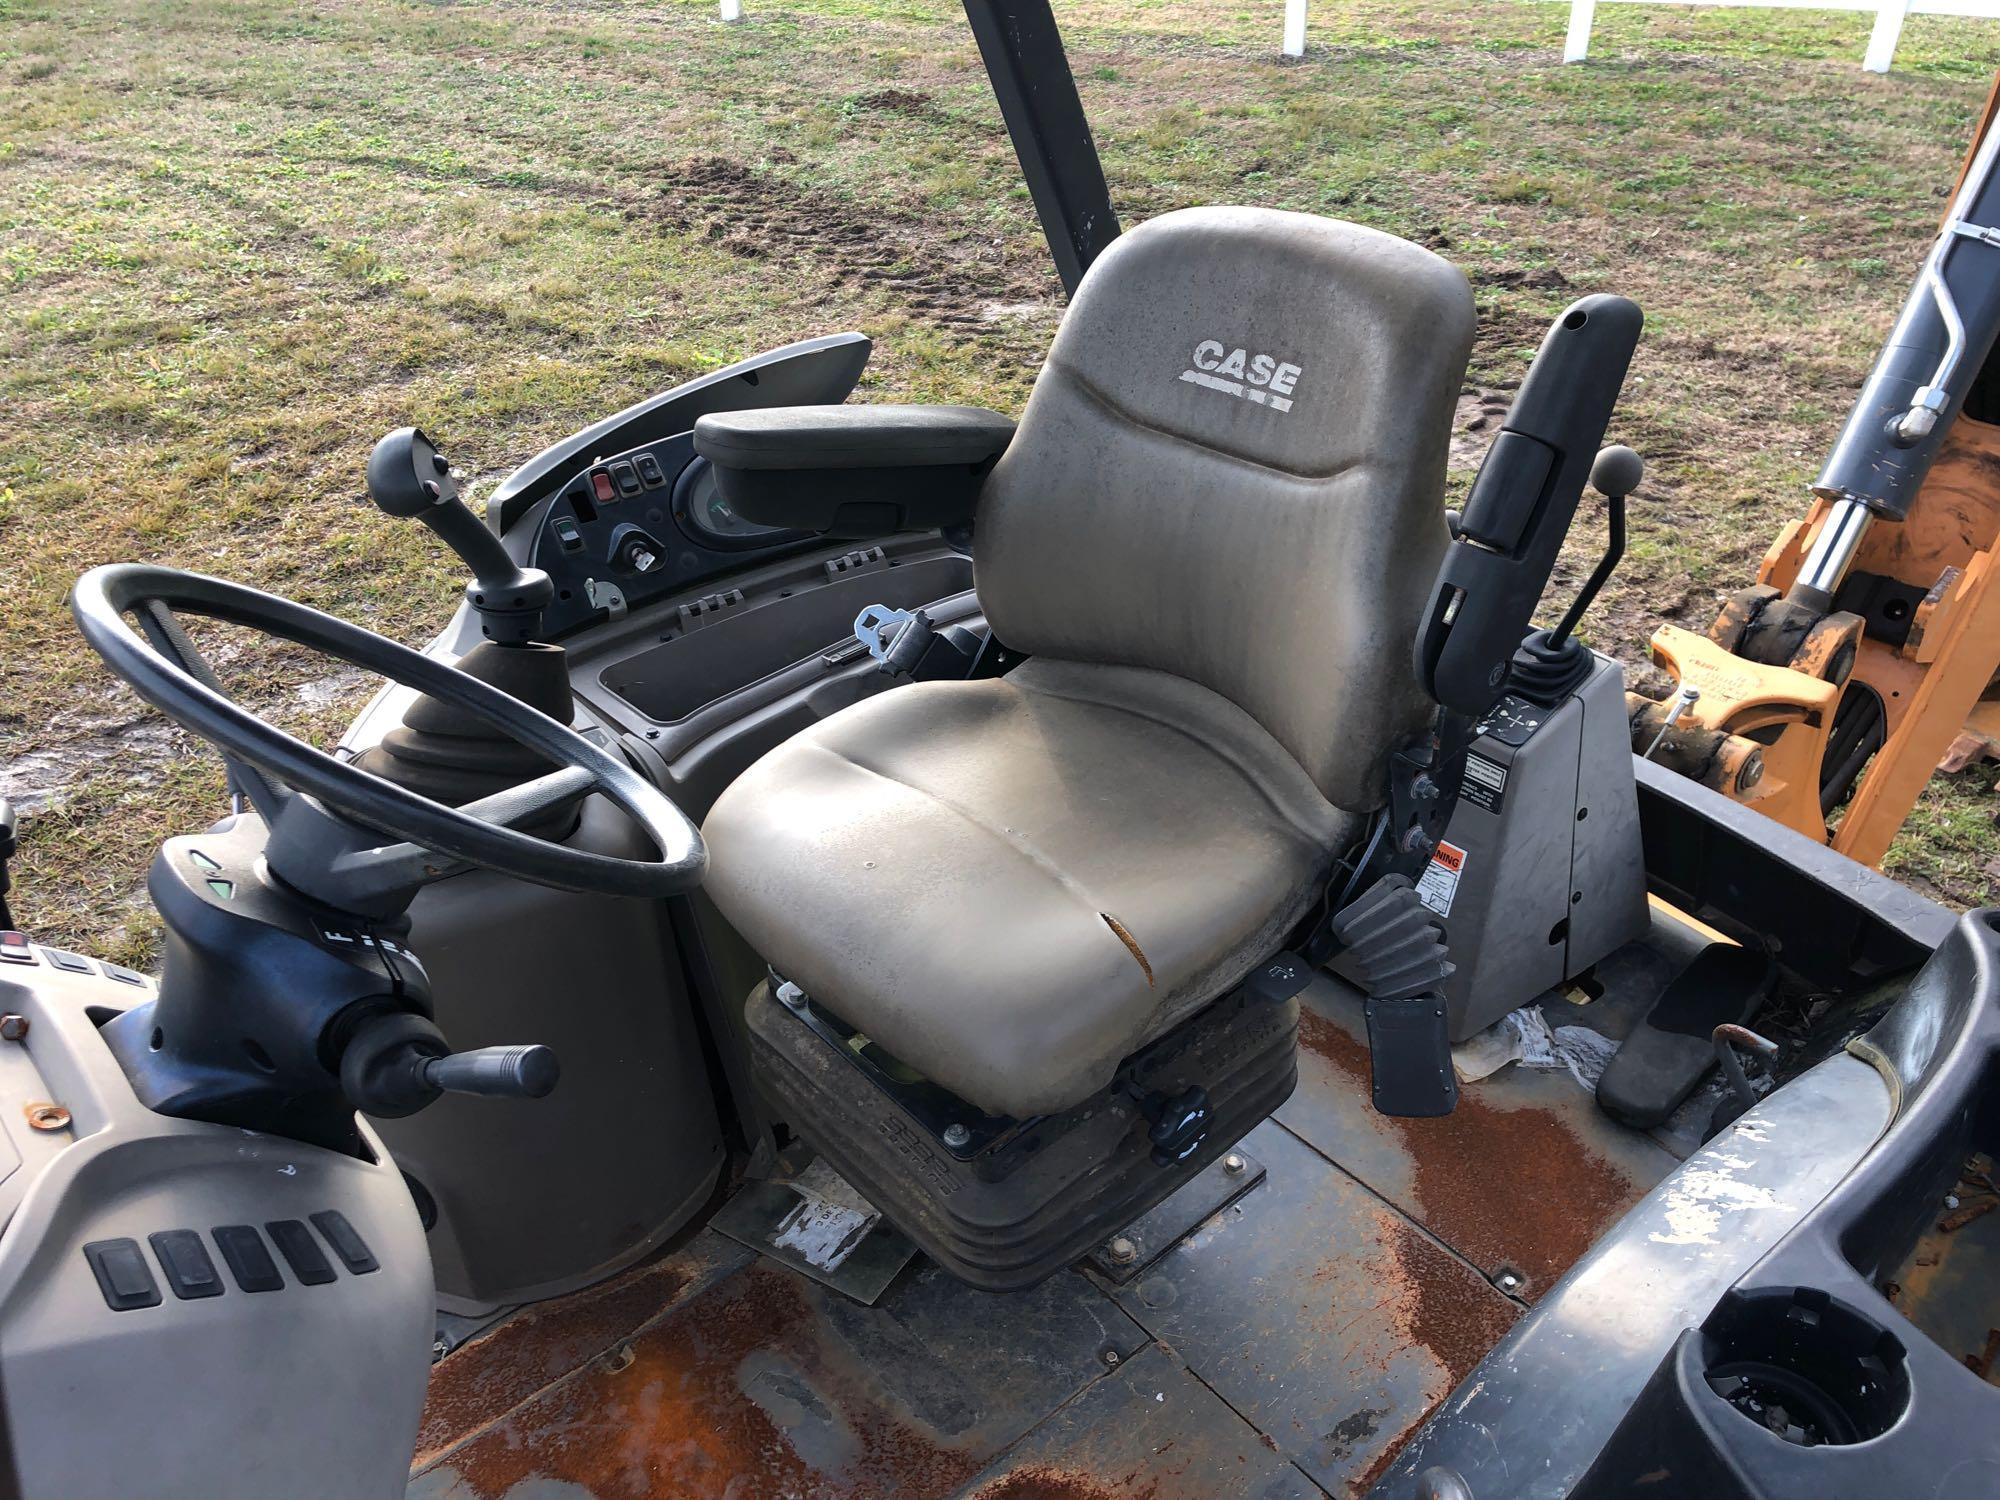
(1509, 1281)
(1232, 1164)
(1122, 1251)
(956, 1136)
(13, 1028)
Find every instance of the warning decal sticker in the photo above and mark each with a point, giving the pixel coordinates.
(1439, 883)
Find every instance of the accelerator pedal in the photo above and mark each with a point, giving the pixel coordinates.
(1672, 1049)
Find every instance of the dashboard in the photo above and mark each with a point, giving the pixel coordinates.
(639, 525)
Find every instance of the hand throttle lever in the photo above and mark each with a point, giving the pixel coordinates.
(395, 1064)
(496, 1072)
(407, 476)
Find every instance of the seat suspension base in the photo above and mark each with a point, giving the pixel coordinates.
(1016, 1200)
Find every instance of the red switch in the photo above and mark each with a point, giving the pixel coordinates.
(600, 483)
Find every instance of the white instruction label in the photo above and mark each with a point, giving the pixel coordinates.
(1485, 783)
(1438, 885)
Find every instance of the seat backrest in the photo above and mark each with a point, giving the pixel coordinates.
(1232, 469)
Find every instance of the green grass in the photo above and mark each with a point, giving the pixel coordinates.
(240, 238)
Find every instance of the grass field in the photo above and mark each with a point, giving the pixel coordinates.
(241, 238)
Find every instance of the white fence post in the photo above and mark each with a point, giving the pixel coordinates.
(1888, 31)
(1576, 46)
(732, 10)
(1295, 28)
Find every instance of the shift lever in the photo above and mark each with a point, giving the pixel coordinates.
(407, 476)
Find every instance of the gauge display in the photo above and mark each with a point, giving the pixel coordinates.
(699, 501)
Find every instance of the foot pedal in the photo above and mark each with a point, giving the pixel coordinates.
(1393, 951)
(1673, 1048)
(1409, 1046)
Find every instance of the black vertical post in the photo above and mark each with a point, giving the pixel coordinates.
(1029, 70)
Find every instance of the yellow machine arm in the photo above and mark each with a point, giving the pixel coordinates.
(1897, 672)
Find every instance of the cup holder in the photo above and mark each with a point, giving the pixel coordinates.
(1805, 1367)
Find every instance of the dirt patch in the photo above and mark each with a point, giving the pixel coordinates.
(950, 281)
(912, 104)
(35, 780)
(1509, 1189)
(1475, 424)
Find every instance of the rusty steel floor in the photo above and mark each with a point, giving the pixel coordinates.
(1285, 1348)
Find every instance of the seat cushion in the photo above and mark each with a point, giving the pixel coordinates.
(1013, 884)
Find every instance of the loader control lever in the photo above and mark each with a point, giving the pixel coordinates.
(407, 476)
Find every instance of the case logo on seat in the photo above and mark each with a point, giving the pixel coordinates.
(1238, 372)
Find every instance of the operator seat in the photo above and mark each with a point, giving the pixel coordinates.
(1212, 535)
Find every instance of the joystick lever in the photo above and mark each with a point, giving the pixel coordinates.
(1551, 664)
(407, 476)
(1614, 474)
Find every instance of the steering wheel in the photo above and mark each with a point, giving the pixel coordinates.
(273, 767)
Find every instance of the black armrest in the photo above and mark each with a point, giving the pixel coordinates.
(853, 471)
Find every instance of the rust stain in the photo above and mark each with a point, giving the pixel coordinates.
(1503, 1187)
(1047, 1482)
(1437, 1305)
(493, 1374)
(1413, 1321)
(738, 1393)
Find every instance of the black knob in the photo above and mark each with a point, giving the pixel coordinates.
(1617, 471)
(497, 1072)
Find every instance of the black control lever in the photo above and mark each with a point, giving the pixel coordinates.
(397, 1063)
(1615, 474)
(407, 476)
(1552, 664)
(496, 1072)
(9, 845)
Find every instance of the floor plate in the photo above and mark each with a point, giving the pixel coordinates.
(767, 1384)
(1319, 1313)
(1520, 1179)
(1151, 1430)
(1287, 1342)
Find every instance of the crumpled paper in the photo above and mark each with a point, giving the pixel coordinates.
(1525, 1036)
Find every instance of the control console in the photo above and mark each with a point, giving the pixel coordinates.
(252, 1292)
